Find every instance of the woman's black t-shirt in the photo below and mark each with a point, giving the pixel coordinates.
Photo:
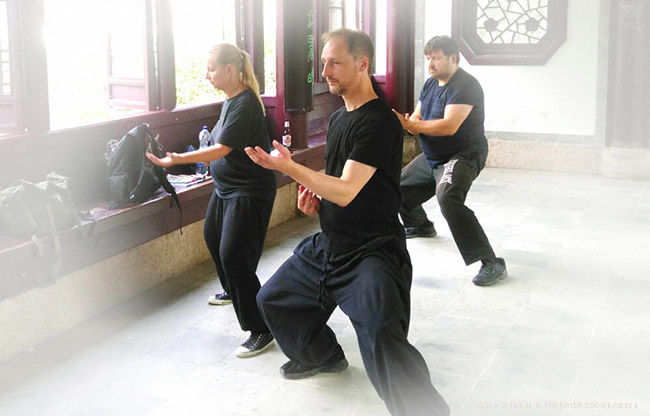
(241, 124)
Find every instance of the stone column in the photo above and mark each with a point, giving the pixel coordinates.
(629, 83)
(627, 133)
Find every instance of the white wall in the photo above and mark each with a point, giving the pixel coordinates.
(557, 98)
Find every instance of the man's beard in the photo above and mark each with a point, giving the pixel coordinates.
(337, 89)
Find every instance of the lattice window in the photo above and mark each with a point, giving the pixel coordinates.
(509, 32)
(512, 22)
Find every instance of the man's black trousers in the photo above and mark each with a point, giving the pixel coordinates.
(371, 286)
(234, 231)
(450, 183)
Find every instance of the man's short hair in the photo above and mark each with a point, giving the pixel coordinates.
(359, 44)
(443, 43)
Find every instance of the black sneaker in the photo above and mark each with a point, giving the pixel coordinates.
(255, 344)
(220, 299)
(293, 371)
(490, 273)
(421, 231)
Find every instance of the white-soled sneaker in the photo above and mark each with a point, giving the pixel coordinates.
(220, 299)
(254, 345)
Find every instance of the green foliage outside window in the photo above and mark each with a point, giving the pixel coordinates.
(191, 85)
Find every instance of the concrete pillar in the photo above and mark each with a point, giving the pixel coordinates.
(628, 98)
(627, 133)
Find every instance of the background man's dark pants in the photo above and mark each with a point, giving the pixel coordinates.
(450, 183)
(234, 232)
(372, 289)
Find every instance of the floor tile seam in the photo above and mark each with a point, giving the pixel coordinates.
(478, 380)
(253, 374)
(457, 374)
(507, 326)
(451, 301)
(189, 361)
(356, 411)
(526, 303)
(590, 342)
(469, 344)
(179, 393)
(508, 322)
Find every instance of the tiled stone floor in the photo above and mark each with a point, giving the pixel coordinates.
(568, 333)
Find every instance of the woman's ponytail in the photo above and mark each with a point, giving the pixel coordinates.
(248, 78)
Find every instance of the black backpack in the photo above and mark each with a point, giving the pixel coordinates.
(131, 177)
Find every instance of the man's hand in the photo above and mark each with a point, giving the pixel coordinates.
(279, 161)
(405, 120)
(402, 117)
(169, 160)
(308, 202)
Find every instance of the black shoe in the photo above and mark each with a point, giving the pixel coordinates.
(255, 344)
(491, 272)
(421, 231)
(293, 371)
(220, 299)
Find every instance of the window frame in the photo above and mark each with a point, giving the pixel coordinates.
(119, 87)
(10, 104)
(27, 16)
(34, 119)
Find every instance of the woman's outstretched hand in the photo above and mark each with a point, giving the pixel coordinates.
(167, 161)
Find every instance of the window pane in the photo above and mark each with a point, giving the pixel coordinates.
(336, 15)
(269, 47)
(380, 37)
(5, 73)
(76, 36)
(126, 36)
(199, 25)
(351, 14)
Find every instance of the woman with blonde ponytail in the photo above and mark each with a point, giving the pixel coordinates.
(240, 207)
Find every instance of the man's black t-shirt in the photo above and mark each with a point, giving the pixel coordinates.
(241, 124)
(371, 135)
(462, 88)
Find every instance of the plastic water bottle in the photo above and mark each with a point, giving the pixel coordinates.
(204, 141)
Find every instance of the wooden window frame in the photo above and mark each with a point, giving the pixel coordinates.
(136, 93)
(10, 104)
(28, 106)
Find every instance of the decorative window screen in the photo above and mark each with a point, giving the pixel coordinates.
(509, 32)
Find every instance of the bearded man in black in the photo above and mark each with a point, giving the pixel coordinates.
(359, 261)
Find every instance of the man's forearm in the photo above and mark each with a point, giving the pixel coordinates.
(438, 127)
(333, 189)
